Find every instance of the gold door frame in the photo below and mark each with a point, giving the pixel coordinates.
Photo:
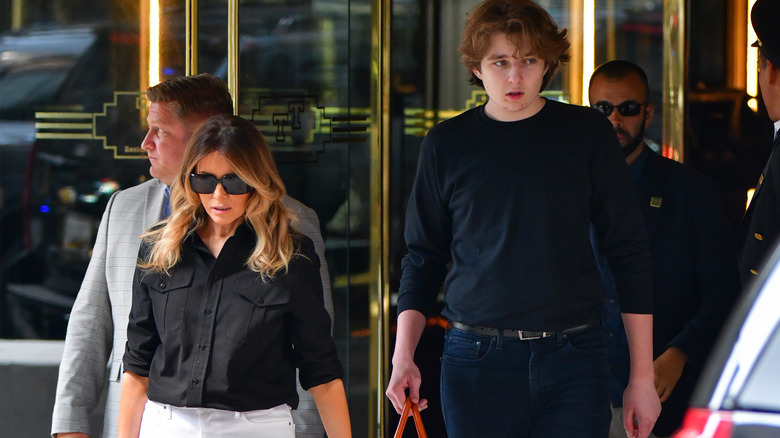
(379, 292)
(674, 79)
(191, 37)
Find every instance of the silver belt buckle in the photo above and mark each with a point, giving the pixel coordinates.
(523, 337)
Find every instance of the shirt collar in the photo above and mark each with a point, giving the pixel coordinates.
(638, 166)
(239, 245)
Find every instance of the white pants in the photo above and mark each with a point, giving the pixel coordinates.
(165, 421)
(616, 429)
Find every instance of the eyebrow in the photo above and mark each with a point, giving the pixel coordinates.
(501, 55)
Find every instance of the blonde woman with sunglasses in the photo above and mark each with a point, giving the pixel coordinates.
(227, 304)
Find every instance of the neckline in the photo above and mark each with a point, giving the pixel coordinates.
(510, 124)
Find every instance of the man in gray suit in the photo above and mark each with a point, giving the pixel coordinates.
(97, 330)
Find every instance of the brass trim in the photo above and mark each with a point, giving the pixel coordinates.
(611, 31)
(736, 44)
(674, 79)
(65, 126)
(62, 115)
(379, 294)
(191, 37)
(61, 125)
(17, 13)
(143, 44)
(63, 136)
(233, 55)
(576, 68)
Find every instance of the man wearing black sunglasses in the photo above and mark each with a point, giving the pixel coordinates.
(695, 271)
(629, 117)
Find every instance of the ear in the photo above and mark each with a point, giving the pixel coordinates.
(476, 72)
(649, 112)
(771, 71)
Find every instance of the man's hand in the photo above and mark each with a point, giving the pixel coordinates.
(668, 368)
(641, 408)
(72, 435)
(405, 375)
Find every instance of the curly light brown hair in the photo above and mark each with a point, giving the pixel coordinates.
(525, 24)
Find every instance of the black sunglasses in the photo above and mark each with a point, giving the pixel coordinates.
(205, 184)
(628, 108)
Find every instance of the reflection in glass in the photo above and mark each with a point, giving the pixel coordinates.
(67, 142)
(633, 30)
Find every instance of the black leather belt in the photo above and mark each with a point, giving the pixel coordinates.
(524, 335)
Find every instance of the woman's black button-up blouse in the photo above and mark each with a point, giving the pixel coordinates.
(212, 334)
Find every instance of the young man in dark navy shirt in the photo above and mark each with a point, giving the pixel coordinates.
(500, 213)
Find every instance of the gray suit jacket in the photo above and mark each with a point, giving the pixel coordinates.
(97, 329)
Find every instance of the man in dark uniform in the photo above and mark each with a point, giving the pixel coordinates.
(696, 280)
(760, 228)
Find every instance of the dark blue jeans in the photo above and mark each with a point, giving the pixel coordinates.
(545, 388)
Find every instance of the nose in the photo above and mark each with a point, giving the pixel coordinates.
(147, 143)
(515, 73)
(616, 118)
(219, 191)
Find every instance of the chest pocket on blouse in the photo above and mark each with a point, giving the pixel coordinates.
(169, 297)
(255, 310)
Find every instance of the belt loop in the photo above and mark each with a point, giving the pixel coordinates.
(560, 336)
(500, 340)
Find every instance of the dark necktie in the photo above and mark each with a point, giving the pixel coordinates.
(777, 140)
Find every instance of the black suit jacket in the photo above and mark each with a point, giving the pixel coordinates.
(696, 279)
(760, 228)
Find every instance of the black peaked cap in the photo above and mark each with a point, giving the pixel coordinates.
(765, 17)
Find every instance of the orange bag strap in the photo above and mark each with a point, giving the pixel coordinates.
(417, 420)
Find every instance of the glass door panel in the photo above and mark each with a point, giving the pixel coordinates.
(303, 80)
(71, 125)
(633, 31)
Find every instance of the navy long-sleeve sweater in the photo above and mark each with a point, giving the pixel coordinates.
(500, 212)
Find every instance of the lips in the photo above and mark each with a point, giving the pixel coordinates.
(622, 135)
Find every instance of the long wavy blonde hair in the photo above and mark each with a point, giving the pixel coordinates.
(245, 149)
